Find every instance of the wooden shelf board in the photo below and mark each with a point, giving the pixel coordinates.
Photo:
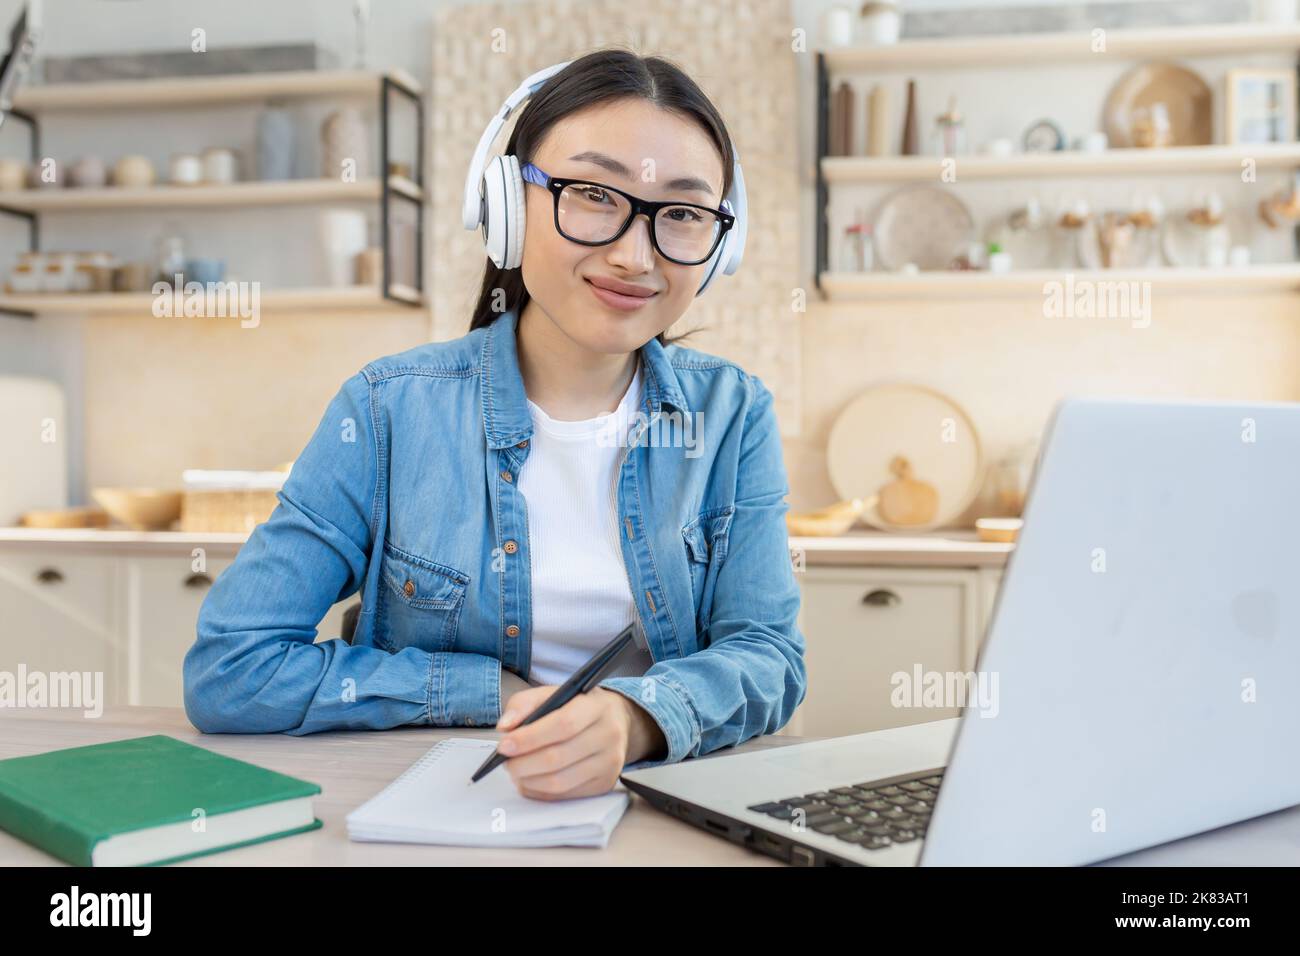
(194, 90)
(1006, 50)
(351, 298)
(406, 187)
(850, 286)
(287, 192)
(1155, 162)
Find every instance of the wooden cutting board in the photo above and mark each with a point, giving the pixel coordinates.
(927, 428)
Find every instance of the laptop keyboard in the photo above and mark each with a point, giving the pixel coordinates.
(871, 815)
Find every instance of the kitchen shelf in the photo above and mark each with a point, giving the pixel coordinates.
(342, 299)
(862, 286)
(1044, 50)
(32, 103)
(287, 192)
(197, 90)
(1155, 162)
(1029, 48)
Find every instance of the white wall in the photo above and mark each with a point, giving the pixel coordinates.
(399, 37)
(929, 343)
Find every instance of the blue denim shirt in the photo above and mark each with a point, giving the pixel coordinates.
(407, 492)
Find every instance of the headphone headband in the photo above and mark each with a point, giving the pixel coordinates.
(471, 211)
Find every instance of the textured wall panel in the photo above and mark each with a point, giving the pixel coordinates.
(745, 65)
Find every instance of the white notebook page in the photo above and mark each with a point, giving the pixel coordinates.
(434, 802)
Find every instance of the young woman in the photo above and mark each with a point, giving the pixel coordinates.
(508, 501)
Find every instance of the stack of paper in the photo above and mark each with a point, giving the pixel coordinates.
(434, 802)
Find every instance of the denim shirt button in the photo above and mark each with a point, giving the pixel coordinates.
(512, 630)
(409, 588)
(506, 476)
(510, 547)
(469, 721)
(523, 444)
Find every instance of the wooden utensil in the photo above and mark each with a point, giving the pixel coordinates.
(905, 500)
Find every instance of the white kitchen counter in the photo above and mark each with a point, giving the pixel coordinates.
(123, 541)
(945, 549)
(857, 548)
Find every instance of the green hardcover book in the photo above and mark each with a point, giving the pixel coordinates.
(146, 801)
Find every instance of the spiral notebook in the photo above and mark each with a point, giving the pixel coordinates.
(434, 802)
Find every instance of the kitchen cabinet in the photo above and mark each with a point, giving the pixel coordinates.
(126, 604)
(58, 614)
(864, 625)
(163, 596)
(990, 581)
(131, 617)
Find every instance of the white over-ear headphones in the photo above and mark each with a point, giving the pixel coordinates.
(494, 196)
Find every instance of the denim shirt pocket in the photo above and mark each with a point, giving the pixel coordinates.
(420, 602)
(706, 539)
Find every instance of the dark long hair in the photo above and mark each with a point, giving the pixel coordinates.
(596, 78)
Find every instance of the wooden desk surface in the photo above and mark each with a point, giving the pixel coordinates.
(351, 767)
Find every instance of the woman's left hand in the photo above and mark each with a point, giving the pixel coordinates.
(578, 750)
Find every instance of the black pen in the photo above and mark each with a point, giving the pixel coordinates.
(583, 680)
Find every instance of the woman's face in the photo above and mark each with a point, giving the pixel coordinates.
(638, 147)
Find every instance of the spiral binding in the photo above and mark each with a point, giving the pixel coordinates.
(432, 756)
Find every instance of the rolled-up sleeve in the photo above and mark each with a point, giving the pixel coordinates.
(256, 667)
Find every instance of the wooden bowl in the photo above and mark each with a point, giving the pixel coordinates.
(1001, 530)
(144, 509)
(65, 518)
(832, 520)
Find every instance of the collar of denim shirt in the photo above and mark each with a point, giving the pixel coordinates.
(506, 420)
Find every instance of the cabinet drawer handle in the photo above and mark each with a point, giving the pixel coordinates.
(198, 581)
(49, 576)
(881, 597)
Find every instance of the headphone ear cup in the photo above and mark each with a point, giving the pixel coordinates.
(516, 212)
(503, 212)
(494, 207)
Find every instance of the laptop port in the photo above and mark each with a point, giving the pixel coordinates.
(802, 856)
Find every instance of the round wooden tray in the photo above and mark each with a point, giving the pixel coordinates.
(932, 431)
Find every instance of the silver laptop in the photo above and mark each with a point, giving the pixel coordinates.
(1146, 642)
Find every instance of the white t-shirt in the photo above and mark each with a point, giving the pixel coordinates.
(580, 590)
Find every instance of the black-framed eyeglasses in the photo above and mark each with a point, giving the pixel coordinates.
(594, 214)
